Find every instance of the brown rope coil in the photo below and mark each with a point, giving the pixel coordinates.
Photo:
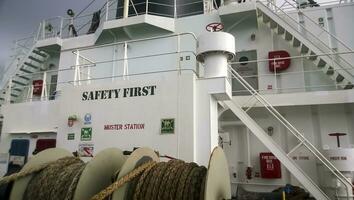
(171, 180)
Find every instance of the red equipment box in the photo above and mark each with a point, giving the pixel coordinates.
(270, 166)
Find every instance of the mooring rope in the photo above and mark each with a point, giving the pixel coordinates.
(57, 181)
(26, 172)
(175, 180)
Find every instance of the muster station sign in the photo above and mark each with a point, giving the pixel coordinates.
(124, 127)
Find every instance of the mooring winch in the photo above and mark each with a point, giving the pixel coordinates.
(57, 174)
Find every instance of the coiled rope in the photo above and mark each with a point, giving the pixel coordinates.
(174, 179)
(57, 181)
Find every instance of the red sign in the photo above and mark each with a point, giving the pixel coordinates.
(37, 87)
(277, 63)
(270, 166)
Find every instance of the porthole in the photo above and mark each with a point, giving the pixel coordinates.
(243, 60)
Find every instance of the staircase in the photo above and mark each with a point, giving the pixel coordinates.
(272, 145)
(307, 44)
(19, 76)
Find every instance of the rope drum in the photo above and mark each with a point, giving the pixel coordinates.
(140, 177)
(170, 180)
(57, 181)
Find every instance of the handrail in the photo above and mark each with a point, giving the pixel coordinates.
(325, 30)
(83, 57)
(19, 64)
(308, 31)
(109, 77)
(135, 40)
(292, 129)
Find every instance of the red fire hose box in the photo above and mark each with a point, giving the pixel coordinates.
(270, 166)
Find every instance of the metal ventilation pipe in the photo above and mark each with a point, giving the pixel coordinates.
(215, 50)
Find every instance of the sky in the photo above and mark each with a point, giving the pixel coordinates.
(21, 18)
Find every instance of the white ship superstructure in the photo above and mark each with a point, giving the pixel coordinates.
(270, 82)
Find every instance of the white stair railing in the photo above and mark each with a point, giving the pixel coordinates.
(293, 5)
(82, 62)
(311, 37)
(303, 140)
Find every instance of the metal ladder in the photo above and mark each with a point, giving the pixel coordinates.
(308, 44)
(284, 157)
(19, 74)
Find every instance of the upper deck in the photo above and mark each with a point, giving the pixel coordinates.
(155, 37)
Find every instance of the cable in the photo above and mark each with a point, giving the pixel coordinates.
(85, 8)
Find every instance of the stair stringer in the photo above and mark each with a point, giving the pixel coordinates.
(278, 152)
(348, 80)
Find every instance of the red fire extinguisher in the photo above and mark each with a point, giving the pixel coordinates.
(249, 173)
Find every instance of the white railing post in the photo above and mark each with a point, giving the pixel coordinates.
(77, 63)
(8, 92)
(61, 27)
(89, 74)
(44, 94)
(126, 9)
(147, 7)
(178, 53)
(107, 9)
(275, 76)
(125, 62)
(175, 9)
(43, 29)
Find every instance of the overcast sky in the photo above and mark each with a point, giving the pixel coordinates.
(20, 18)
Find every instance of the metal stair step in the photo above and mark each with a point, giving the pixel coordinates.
(265, 18)
(31, 65)
(35, 59)
(23, 77)
(296, 42)
(319, 62)
(312, 56)
(17, 89)
(288, 36)
(40, 53)
(273, 24)
(349, 86)
(280, 30)
(339, 78)
(303, 49)
(26, 71)
(18, 83)
(330, 71)
(14, 95)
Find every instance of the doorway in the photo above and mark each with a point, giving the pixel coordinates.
(43, 144)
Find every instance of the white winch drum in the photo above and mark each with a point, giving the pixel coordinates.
(217, 185)
(98, 173)
(48, 155)
(131, 163)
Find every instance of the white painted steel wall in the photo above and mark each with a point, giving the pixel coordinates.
(173, 99)
(315, 122)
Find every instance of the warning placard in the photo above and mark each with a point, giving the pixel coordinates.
(86, 134)
(86, 150)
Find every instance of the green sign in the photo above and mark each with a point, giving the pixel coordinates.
(167, 126)
(71, 136)
(86, 134)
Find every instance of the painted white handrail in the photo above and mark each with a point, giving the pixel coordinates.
(314, 37)
(292, 130)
